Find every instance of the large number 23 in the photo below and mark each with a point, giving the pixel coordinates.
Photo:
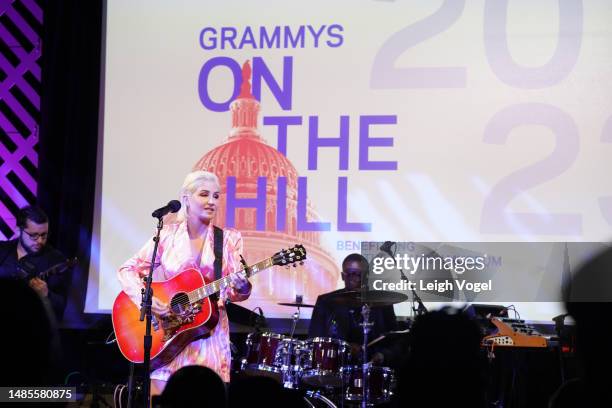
(494, 217)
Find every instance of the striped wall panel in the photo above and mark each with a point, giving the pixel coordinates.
(20, 77)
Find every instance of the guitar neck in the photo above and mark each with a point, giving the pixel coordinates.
(58, 268)
(52, 270)
(216, 286)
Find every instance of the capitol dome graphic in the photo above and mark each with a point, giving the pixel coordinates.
(246, 155)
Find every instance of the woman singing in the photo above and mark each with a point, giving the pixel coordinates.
(189, 244)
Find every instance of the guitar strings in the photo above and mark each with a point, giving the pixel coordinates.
(179, 301)
(223, 282)
(220, 283)
(185, 300)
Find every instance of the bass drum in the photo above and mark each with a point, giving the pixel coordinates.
(381, 383)
(313, 399)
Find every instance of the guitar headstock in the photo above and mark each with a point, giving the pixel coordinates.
(72, 262)
(290, 256)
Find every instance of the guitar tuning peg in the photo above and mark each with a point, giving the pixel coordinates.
(294, 265)
(301, 262)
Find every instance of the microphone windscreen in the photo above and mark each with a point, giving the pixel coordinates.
(174, 205)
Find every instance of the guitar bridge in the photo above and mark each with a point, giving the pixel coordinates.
(173, 321)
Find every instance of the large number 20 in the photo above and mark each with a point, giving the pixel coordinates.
(495, 219)
(558, 67)
(386, 76)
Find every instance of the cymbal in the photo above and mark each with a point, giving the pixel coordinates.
(373, 298)
(240, 315)
(295, 304)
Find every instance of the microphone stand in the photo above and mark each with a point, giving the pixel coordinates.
(145, 312)
(288, 375)
(290, 370)
(559, 324)
(259, 320)
(421, 309)
(130, 385)
(367, 324)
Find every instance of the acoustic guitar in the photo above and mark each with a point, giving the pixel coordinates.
(193, 313)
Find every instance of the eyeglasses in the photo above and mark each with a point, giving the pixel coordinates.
(36, 236)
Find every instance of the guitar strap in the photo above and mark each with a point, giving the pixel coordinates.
(218, 248)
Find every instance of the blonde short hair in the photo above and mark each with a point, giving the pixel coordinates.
(191, 183)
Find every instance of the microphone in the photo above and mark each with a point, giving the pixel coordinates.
(260, 321)
(386, 247)
(172, 207)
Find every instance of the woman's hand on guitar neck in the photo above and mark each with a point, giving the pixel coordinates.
(240, 288)
(240, 284)
(158, 307)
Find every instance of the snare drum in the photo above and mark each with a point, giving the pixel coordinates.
(380, 383)
(262, 354)
(323, 360)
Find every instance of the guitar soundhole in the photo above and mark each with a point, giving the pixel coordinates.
(180, 303)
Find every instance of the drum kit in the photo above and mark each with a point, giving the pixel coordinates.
(322, 366)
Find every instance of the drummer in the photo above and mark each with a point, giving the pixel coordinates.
(330, 319)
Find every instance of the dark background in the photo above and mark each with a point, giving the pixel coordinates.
(70, 106)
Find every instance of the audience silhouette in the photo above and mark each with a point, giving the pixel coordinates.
(193, 386)
(588, 300)
(31, 335)
(445, 365)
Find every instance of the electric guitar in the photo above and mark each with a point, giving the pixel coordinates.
(25, 271)
(514, 333)
(192, 313)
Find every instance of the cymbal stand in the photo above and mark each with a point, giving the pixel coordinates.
(288, 374)
(367, 324)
